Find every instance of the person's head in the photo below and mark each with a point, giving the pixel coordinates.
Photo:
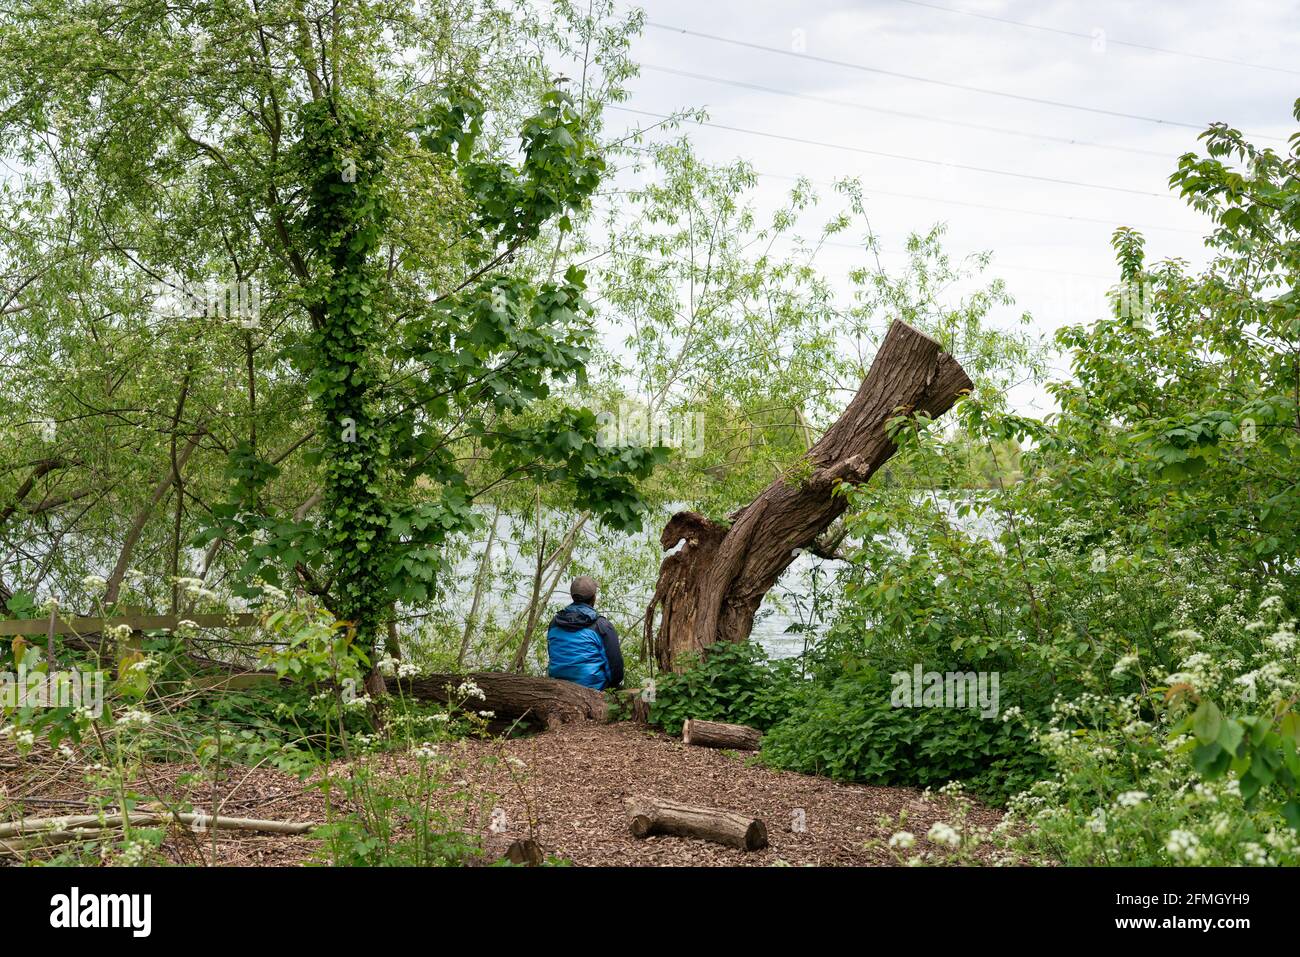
(583, 590)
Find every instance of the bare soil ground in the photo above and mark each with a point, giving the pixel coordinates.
(576, 780)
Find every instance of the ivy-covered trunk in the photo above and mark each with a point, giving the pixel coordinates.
(345, 220)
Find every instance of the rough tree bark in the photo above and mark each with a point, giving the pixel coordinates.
(709, 590)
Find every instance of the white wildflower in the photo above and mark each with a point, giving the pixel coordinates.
(1123, 665)
(1183, 844)
(1273, 603)
(133, 854)
(903, 839)
(1255, 855)
(135, 718)
(1283, 640)
(468, 689)
(941, 833)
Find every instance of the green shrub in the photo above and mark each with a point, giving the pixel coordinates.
(734, 682)
(848, 730)
(851, 732)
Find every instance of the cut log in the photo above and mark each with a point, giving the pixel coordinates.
(651, 816)
(548, 702)
(715, 734)
(709, 590)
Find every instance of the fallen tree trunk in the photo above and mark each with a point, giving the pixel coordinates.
(651, 816)
(709, 590)
(548, 702)
(715, 734)
(545, 701)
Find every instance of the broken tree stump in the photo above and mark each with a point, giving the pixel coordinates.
(525, 852)
(716, 734)
(496, 848)
(650, 816)
(637, 704)
(709, 590)
(544, 701)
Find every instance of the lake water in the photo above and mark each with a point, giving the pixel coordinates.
(787, 604)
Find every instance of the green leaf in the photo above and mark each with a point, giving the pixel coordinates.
(1291, 813)
(1210, 760)
(1230, 735)
(1207, 722)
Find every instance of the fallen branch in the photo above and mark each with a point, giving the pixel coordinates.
(41, 826)
(651, 816)
(53, 840)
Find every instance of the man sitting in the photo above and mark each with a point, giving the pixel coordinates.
(581, 644)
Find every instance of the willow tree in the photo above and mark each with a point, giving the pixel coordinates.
(711, 584)
(387, 322)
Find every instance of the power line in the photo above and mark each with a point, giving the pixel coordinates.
(944, 201)
(913, 116)
(910, 159)
(1108, 40)
(870, 191)
(992, 266)
(1042, 101)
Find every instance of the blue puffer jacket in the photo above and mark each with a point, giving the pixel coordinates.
(583, 648)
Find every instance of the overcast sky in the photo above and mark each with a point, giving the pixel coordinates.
(1095, 55)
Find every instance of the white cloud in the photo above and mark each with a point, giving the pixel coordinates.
(1056, 267)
